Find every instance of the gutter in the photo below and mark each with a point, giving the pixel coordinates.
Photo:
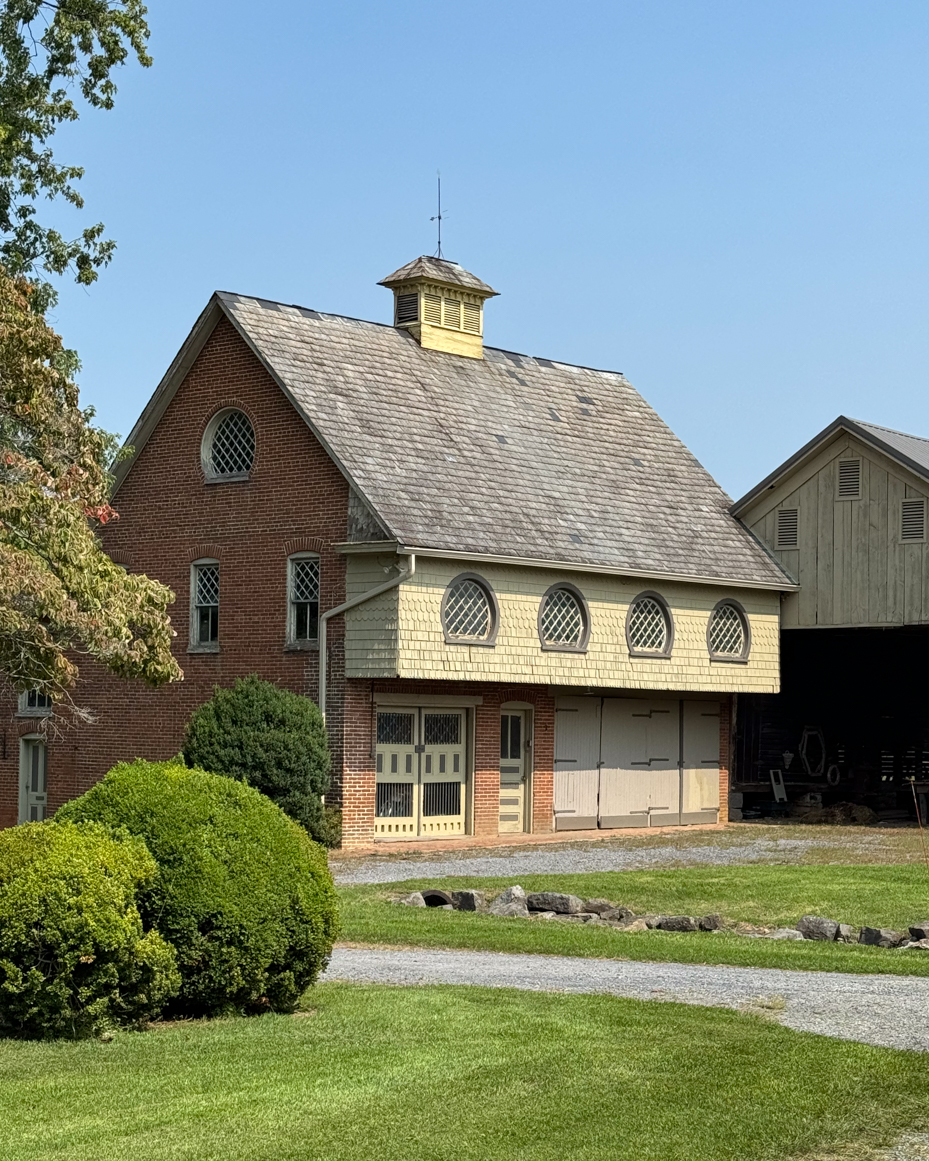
(404, 575)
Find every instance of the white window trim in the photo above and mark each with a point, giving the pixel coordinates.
(292, 641)
(25, 711)
(194, 644)
(206, 448)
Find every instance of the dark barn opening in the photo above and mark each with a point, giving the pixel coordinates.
(851, 725)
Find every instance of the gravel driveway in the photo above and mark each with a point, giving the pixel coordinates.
(886, 1010)
(575, 860)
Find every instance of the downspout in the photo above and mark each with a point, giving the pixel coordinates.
(404, 575)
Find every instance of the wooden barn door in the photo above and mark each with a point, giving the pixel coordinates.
(577, 762)
(640, 763)
(442, 808)
(700, 766)
(33, 791)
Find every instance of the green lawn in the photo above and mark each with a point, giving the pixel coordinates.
(886, 895)
(442, 1074)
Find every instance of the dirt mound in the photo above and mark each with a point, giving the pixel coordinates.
(841, 814)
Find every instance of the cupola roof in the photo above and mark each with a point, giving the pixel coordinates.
(439, 270)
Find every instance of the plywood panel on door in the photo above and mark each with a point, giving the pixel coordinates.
(640, 771)
(700, 767)
(577, 754)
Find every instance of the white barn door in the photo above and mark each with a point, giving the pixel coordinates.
(577, 757)
(700, 767)
(640, 756)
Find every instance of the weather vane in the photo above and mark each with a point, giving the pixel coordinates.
(438, 217)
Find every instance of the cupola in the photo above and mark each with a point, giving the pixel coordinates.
(441, 304)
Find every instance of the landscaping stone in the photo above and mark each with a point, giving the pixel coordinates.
(711, 922)
(815, 927)
(514, 910)
(677, 923)
(598, 906)
(920, 930)
(847, 933)
(784, 933)
(635, 925)
(881, 937)
(415, 899)
(543, 914)
(469, 900)
(553, 901)
(511, 895)
(651, 921)
(916, 945)
(616, 915)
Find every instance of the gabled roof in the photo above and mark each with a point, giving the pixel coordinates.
(507, 456)
(439, 270)
(912, 451)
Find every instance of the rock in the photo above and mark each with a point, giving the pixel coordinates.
(414, 900)
(581, 917)
(510, 910)
(920, 931)
(881, 937)
(915, 945)
(711, 923)
(598, 906)
(815, 927)
(553, 901)
(847, 933)
(511, 895)
(678, 923)
(651, 921)
(543, 914)
(469, 900)
(435, 898)
(617, 915)
(784, 933)
(635, 925)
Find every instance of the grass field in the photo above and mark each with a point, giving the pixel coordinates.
(455, 1074)
(887, 895)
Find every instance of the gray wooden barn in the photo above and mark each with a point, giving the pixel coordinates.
(846, 518)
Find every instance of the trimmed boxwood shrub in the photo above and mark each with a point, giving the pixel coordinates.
(243, 895)
(271, 739)
(74, 957)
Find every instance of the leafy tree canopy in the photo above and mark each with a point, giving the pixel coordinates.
(60, 595)
(49, 52)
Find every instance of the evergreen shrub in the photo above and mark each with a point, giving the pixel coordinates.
(75, 958)
(243, 896)
(271, 739)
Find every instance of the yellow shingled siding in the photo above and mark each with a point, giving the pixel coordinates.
(414, 626)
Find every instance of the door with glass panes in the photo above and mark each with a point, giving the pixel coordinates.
(514, 771)
(33, 789)
(421, 772)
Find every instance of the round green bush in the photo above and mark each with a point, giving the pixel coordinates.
(74, 956)
(271, 739)
(243, 895)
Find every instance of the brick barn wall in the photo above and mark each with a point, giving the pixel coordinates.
(360, 739)
(296, 499)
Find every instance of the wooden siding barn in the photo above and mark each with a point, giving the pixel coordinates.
(846, 517)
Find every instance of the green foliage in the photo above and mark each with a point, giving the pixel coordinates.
(47, 49)
(244, 897)
(270, 738)
(74, 958)
(60, 594)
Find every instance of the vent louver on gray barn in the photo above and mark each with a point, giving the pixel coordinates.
(849, 479)
(913, 520)
(787, 527)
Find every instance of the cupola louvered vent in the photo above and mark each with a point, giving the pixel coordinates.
(913, 520)
(451, 313)
(787, 528)
(472, 318)
(407, 308)
(849, 479)
(432, 309)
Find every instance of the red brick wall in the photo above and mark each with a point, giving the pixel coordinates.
(296, 499)
(358, 800)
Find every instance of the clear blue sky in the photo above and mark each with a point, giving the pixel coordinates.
(725, 200)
